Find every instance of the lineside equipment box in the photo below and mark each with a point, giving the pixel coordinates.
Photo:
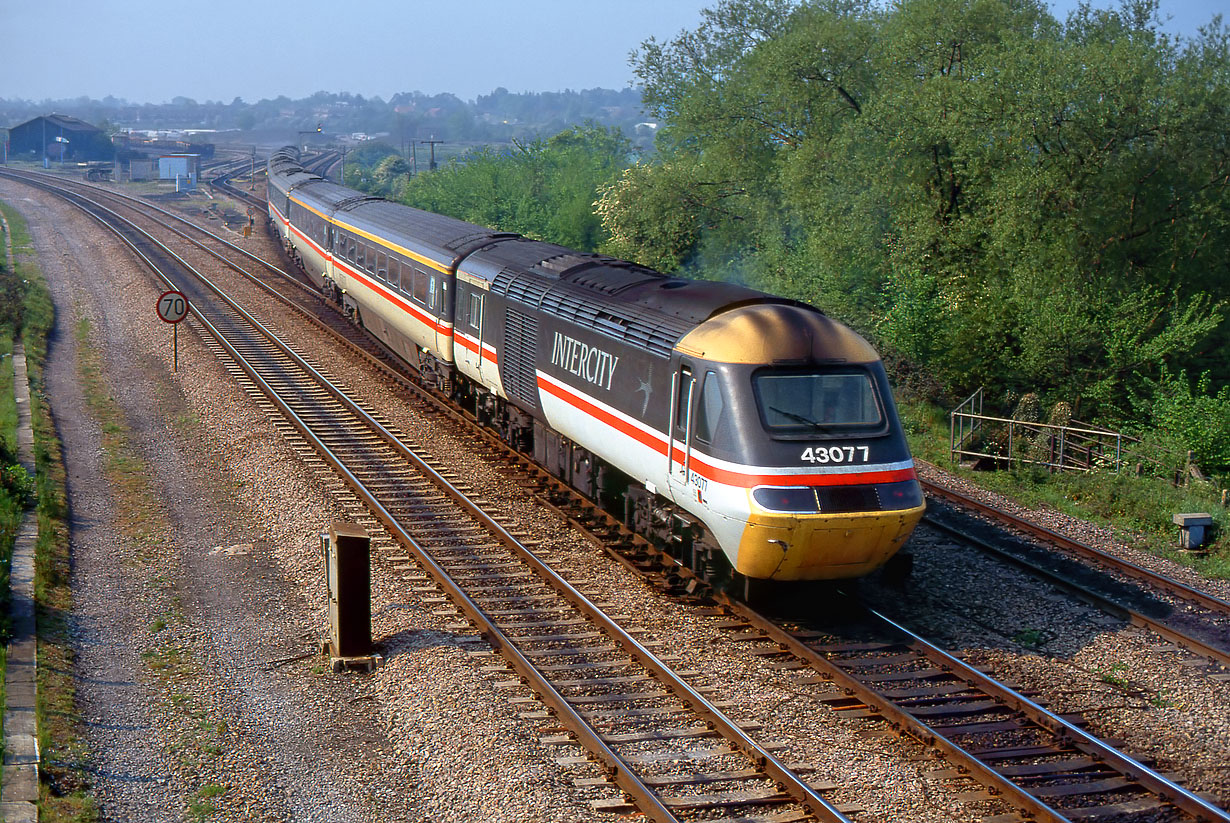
(347, 550)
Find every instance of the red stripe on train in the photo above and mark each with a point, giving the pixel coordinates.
(717, 474)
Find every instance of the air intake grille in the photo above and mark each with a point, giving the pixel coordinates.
(649, 330)
(517, 359)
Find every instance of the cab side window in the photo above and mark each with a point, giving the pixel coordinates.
(476, 311)
(710, 409)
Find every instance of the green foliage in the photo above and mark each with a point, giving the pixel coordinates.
(642, 212)
(544, 189)
(1198, 418)
(17, 485)
(1140, 505)
(361, 162)
(1000, 198)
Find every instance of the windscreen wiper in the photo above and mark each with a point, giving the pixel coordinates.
(797, 417)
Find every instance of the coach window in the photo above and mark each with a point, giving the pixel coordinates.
(709, 409)
(420, 287)
(382, 265)
(394, 272)
(431, 294)
(351, 249)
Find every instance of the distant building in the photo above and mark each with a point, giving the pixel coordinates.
(137, 168)
(182, 168)
(59, 137)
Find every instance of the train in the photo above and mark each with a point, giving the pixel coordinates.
(752, 437)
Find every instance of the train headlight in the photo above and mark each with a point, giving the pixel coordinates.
(793, 499)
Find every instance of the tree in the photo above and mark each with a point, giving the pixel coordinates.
(1009, 200)
(543, 189)
(390, 171)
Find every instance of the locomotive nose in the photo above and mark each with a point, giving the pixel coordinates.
(822, 547)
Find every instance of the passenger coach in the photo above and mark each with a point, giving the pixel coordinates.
(735, 429)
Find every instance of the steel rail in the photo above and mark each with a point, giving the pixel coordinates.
(1174, 587)
(45, 182)
(899, 717)
(1136, 618)
(1072, 734)
(622, 774)
(136, 202)
(1129, 767)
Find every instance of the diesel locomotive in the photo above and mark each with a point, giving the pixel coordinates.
(739, 431)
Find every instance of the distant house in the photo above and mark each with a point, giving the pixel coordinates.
(59, 137)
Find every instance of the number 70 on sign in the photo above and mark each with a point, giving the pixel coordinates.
(172, 307)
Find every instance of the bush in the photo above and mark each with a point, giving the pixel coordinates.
(19, 484)
(1199, 419)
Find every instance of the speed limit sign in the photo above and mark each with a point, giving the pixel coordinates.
(172, 307)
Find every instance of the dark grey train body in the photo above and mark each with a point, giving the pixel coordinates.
(724, 422)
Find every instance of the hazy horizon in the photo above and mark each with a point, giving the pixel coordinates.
(143, 52)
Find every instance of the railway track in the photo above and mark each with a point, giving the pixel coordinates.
(664, 743)
(1038, 761)
(288, 284)
(1194, 620)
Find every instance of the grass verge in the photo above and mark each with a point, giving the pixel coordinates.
(65, 787)
(1139, 509)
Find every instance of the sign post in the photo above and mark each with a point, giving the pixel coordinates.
(172, 307)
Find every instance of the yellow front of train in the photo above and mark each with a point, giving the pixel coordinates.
(818, 464)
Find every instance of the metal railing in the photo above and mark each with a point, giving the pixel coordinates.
(966, 421)
(1076, 447)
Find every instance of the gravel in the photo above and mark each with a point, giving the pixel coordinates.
(432, 734)
(425, 737)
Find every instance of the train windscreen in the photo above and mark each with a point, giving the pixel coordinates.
(817, 401)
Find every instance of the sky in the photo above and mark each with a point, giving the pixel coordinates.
(149, 52)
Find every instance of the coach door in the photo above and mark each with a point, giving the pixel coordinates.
(440, 302)
(679, 447)
(470, 324)
(485, 372)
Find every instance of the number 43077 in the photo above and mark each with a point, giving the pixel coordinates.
(835, 454)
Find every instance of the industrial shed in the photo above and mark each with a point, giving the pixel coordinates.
(59, 137)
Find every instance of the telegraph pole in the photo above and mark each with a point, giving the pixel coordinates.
(343, 176)
(432, 143)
